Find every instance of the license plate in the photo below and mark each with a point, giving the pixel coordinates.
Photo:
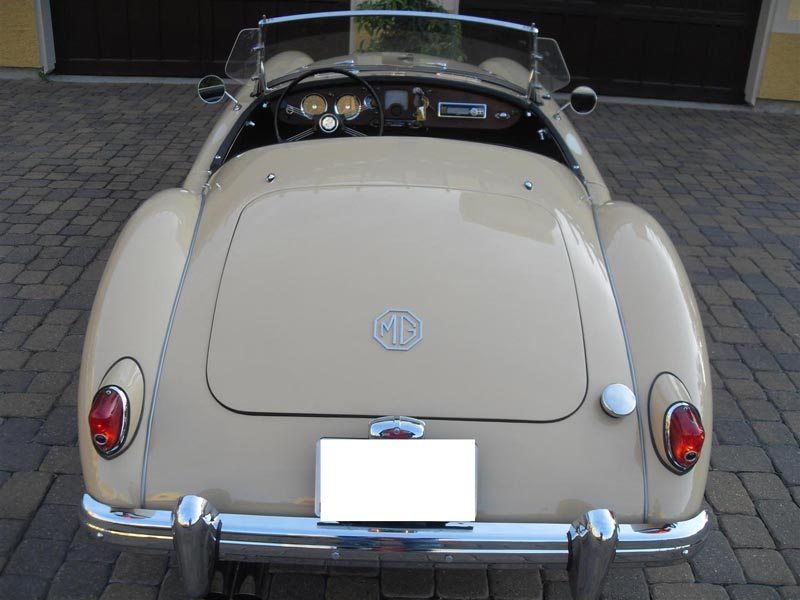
(396, 480)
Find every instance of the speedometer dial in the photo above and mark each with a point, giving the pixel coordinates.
(347, 106)
(314, 105)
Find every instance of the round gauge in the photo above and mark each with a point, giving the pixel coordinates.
(347, 106)
(369, 102)
(314, 105)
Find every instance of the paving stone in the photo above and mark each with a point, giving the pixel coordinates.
(774, 434)
(10, 533)
(515, 584)
(46, 337)
(49, 383)
(792, 420)
(782, 517)
(25, 405)
(625, 584)
(60, 427)
(54, 522)
(65, 489)
(735, 432)
(727, 494)
(36, 558)
(789, 592)
(461, 583)
(740, 458)
(352, 588)
(79, 581)
(297, 586)
(765, 566)
(752, 592)
(745, 532)
(172, 586)
(85, 547)
(21, 456)
(21, 495)
(407, 582)
(557, 590)
(716, 562)
(19, 429)
(764, 486)
(61, 459)
(792, 558)
(787, 462)
(146, 569)
(688, 591)
(18, 587)
(759, 410)
(129, 591)
(680, 573)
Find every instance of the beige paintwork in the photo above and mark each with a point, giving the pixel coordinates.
(129, 319)
(333, 211)
(517, 457)
(665, 334)
(460, 260)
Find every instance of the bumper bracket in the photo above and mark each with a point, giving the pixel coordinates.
(592, 545)
(195, 536)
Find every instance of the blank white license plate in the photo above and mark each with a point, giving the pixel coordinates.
(396, 480)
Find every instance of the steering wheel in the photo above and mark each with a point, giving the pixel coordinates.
(328, 122)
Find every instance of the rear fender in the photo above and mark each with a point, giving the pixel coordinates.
(130, 320)
(665, 335)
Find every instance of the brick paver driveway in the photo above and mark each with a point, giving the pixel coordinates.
(76, 160)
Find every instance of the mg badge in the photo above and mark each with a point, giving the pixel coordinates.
(398, 329)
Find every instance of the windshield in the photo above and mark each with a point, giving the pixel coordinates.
(444, 44)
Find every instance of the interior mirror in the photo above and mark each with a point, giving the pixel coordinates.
(211, 90)
(583, 100)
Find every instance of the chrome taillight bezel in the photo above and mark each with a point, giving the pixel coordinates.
(123, 435)
(673, 462)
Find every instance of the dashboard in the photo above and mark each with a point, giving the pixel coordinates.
(421, 107)
(409, 106)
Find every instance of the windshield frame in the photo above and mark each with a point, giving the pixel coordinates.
(532, 92)
(399, 13)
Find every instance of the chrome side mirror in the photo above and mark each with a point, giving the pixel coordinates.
(583, 100)
(211, 90)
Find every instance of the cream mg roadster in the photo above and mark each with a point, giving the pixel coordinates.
(394, 314)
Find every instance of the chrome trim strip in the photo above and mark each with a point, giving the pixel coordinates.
(253, 537)
(165, 344)
(398, 13)
(629, 352)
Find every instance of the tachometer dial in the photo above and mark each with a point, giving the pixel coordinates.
(347, 106)
(314, 105)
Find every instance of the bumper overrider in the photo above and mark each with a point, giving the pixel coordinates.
(200, 536)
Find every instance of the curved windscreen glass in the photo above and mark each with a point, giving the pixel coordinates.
(440, 44)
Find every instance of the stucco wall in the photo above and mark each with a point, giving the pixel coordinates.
(781, 78)
(19, 44)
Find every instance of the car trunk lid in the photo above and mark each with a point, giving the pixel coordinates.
(378, 300)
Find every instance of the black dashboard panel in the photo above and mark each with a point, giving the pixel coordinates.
(444, 107)
(453, 111)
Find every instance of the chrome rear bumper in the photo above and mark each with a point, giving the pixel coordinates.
(200, 535)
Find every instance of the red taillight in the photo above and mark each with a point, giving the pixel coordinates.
(684, 435)
(108, 420)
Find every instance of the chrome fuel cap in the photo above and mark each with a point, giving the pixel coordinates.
(618, 400)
